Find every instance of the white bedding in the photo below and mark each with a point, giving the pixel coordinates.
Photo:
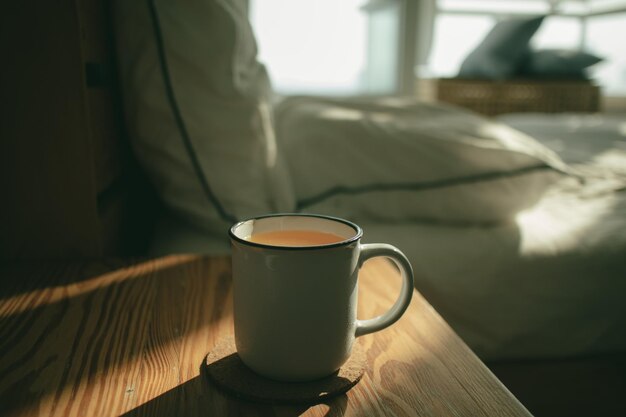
(551, 283)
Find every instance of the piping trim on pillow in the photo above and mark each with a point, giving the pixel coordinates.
(169, 89)
(419, 186)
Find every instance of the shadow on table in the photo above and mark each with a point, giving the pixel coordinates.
(116, 312)
(199, 397)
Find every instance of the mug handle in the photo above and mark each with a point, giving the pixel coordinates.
(371, 250)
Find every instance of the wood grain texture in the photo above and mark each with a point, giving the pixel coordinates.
(119, 338)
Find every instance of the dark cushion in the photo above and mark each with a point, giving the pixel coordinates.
(553, 63)
(502, 51)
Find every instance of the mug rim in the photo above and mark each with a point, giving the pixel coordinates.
(358, 232)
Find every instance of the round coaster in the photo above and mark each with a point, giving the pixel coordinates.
(224, 367)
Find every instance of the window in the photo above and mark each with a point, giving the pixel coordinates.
(455, 35)
(558, 32)
(605, 36)
(351, 47)
(494, 6)
(328, 46)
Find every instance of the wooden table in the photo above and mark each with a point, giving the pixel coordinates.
(109, 338)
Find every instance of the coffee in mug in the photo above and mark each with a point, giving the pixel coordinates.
(295, 293)
(295, 238)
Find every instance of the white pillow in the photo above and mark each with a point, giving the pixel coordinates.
(398, 159)
(197, 109)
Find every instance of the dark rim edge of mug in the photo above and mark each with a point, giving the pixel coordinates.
(357, 229)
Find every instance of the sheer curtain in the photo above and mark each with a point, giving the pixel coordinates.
(330, 47)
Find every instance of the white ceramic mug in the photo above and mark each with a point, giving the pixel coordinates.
(295, 306)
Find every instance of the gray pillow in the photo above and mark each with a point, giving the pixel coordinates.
(552, 63)
(502, 51)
